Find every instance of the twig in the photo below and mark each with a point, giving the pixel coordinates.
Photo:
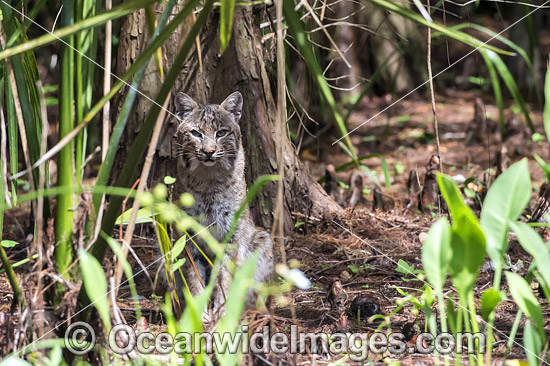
(314, 16)
(430, 78)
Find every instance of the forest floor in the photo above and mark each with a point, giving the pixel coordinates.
(362, 248)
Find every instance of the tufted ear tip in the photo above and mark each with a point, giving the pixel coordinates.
(184, 105)
(234, 104)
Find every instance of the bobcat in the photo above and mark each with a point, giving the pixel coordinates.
(211, 167)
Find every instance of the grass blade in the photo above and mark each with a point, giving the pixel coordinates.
(511, 85)
(496, 90)
(227, 8)
(452, 33)
(123, 9)
(546, 113)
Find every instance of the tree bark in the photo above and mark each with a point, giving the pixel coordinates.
(241, 68)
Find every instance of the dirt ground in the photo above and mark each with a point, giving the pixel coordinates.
(362, 248)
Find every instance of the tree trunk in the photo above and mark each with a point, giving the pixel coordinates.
(240, 68)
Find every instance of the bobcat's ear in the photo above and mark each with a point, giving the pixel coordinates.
(234, 105)
(184, 105)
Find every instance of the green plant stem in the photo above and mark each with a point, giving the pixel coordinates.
(475, 326)
(490, 338)
(458, 327)
(79, 100)
(442, 318)
(65, 202)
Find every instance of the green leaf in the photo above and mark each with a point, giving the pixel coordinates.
(95, 284)
(533, 344)
(169, 180)
(144, 215)
(404, 267)
(179, 246)
(435, 253)
(526, 301)
(467, 238)
(176, 266)
(504, 203)
(489, 301)
(353, 269)
(9, 243)
(227, 7)
(533, 244)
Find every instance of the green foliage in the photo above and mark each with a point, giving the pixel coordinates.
(526, 300)
(505, 202)
(95, 284)
(227, 7)
(489, 301)
(467, 244)
(435, 253)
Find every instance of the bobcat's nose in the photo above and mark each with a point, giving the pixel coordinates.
(208, 153)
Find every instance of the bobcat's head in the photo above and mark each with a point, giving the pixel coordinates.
(209, 134)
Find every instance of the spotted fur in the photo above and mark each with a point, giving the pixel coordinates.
(211, 167)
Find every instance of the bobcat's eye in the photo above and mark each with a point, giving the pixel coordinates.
(196, 133)
(221, 133)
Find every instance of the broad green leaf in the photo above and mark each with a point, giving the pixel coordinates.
(489, 301)
(227, 7)
(179, 246)
(533, 344)
(236, 301)
(169, 180)
(504, 203)
(144, 215)
(526, 300)
(9, 243)
(176, 266)
(435, 253)
(467, 238)
(95, 284)
(533, 244)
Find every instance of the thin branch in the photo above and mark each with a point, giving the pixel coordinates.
(430, 78)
